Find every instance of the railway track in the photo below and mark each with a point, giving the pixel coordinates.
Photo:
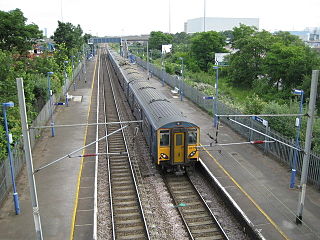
(196, 215)
(127, 217)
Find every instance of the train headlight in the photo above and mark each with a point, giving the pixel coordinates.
(192, 153)
(164, 156)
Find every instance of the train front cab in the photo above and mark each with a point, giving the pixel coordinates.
(177, 147)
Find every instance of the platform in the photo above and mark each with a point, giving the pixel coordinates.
(57, 185)
(259, 184)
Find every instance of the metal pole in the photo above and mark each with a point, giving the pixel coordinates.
(215, 118)
(28, 156)
(307, 147)
(169, 16)
(204, 15)
(50, 104)
(162, 68)
(148, 60)
(74, 81)
(181, 80)
(15, 194)
(297, 144)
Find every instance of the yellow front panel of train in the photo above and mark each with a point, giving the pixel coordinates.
(178, 147)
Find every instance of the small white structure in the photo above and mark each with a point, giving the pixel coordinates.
(218, 24)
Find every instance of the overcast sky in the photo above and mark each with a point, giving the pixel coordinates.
(128, 17)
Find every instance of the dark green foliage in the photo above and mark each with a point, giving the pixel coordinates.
(70, 35)
(157, 39)
(15, 39)
(181, 38)
(15, 34)
(203, 47)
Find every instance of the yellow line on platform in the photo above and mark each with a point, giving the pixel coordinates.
(81, 164)
(249, 197)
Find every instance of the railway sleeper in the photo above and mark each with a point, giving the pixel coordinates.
(125, 204)
(193, 215)
(125, 188)
(129, 215)
(187, 198)
(124, 199)
(119, 175)
(120, 193)
(199, 224)
(208, 234)
(124, 169)
(131, 207)
(120, 183)
(136, 236)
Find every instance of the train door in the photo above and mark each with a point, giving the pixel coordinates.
(178, 147)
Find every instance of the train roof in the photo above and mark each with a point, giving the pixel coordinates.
(159, 109)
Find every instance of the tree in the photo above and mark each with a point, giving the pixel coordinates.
(157, 39)
(181, 38)
(286, 64)
(240, 33)
(70, 35)
(247, 63)
(15, 34)
(204, 45)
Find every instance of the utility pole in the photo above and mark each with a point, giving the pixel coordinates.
(28, 155)
(169, 16)
(307, 146)
(148, 60)
(204, 15)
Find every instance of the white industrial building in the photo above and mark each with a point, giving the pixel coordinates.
(217, 24)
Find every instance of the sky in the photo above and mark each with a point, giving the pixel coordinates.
(135, 17)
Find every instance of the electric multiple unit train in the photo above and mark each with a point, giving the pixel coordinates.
(171, 137)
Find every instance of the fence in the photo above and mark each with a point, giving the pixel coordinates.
(279, 151)
(17, 151)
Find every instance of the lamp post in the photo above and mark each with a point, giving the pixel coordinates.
(181, 92)
(298, 125)
(74, 81)
(65, 74)
(9, 140)
(50, 102)
(162, 68)
(215, 119)
(148, 60)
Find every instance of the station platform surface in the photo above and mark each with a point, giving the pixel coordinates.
(258, 183)
(57, 185)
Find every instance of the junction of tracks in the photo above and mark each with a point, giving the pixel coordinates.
(68, 194)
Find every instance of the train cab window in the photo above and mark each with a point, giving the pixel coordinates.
(178, 139)
(192, 136)
(164, 137)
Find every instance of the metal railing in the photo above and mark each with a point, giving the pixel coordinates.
(17, 150)
(279, 151)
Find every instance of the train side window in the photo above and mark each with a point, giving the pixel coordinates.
(192, 136)
(164, 137)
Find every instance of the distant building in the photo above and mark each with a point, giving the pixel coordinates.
(303, 35)
(218, 24)
(311, 37)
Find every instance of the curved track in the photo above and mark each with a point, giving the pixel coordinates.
(128, 221)
(197, 217)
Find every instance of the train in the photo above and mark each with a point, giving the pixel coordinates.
(172, 139)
